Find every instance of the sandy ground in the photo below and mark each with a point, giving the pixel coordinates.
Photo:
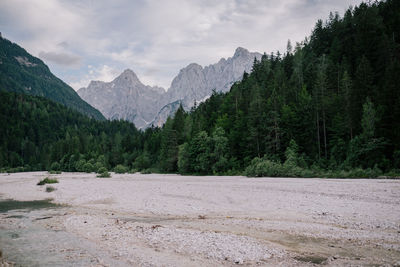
(172, 220)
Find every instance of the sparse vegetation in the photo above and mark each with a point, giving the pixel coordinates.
(103, 173)
(50, 189)
(48, 180)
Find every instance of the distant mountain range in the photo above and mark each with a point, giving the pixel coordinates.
(129, 99)
(23, 73)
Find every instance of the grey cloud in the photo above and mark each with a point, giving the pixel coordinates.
(61, 58)
(156, 38)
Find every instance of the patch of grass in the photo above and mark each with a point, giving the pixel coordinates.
(50, 189)
(55, 172)
(48, 180)
(9, 204)
(311, 259)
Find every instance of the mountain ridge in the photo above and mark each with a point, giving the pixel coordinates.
(151, 107)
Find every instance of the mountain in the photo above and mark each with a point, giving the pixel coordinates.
(195, 83)
(23, 73)
(124, 98)
(127, 98)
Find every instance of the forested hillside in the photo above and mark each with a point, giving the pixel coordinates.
(328, 106)
(37, 133)
(22, 73)
(332, 100)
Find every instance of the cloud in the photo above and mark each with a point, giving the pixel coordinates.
(148, 35)
(103, 73)
(63, 59)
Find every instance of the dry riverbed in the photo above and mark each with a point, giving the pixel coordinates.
(172, 220)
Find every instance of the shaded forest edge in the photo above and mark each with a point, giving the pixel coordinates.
(327, 107)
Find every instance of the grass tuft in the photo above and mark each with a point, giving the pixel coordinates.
(48, 180)
(50, 189)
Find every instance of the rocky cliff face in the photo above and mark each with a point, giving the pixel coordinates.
(195, 83)
(124, 98)
(127, 98)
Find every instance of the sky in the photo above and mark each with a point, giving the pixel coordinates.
(84, 40)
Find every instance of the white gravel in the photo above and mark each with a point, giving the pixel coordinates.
(174, 220)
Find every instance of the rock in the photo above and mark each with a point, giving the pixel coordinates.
(238, 261)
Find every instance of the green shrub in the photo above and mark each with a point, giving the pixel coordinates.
(101, 170)
(87, 167)
(146, 171)
(133, 170)
(142, 162)
(97, 166)
(79, 165)
(55, 166)
(105, 174)
(50, 189)
(55, 172)
(268, 168)
(264, 168)
(120, 169)
(47, 180)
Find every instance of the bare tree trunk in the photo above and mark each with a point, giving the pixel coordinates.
(318, 138)
(323, 120)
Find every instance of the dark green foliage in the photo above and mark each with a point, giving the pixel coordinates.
(88, 167)
(120, 169)
(41, 135)
(55, 166)
(47, 180)
(50, 189)
(22, 73)
(102, 169)
(103, 173)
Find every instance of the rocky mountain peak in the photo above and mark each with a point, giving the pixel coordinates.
(240, 51)
(95, 83)
(128, 76)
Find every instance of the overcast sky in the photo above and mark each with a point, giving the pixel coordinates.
(84, 40)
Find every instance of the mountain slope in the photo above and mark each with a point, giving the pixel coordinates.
(127, 98)
(22, 73)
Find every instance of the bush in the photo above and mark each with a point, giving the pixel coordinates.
(50, 189)
(105, 174)
(55, 172)
(133, 170)
(79, 165)
(142, 162)
(87, 167)
(264, 168)
(146, 171)
(97, 166)
(120, 169)
(55, 166)
(101, 170)
(47, 180)
(267, 168)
